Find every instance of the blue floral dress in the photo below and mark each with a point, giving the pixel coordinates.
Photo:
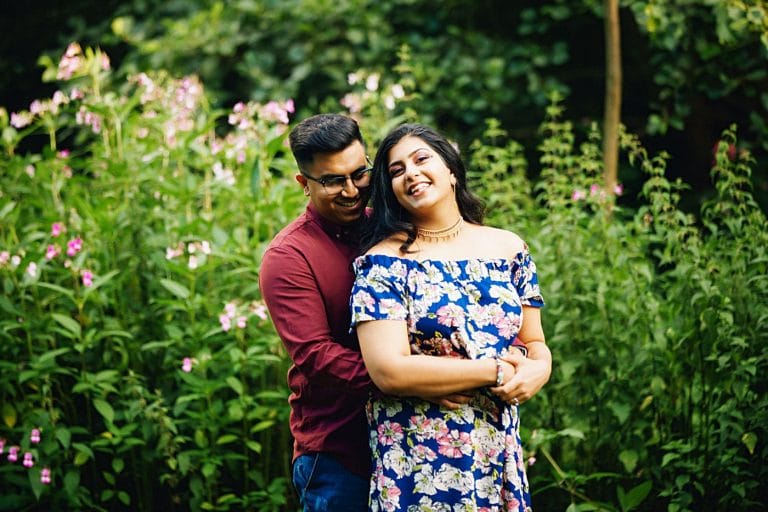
(425, 457)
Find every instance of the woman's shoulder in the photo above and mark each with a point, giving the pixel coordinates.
(387, 247)
(507, 242)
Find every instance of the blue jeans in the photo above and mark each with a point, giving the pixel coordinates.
(324, 485)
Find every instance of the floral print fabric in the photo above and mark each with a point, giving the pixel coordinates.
(425, 457)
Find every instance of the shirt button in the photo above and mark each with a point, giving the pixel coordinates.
(338, 235)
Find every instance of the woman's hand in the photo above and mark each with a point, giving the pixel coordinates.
(530, 375)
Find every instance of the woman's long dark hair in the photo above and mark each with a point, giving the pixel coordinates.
(388, 216)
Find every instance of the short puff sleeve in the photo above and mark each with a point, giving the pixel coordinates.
(525, 280)
(379, 291)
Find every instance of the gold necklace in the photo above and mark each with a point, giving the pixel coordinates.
(437, 235)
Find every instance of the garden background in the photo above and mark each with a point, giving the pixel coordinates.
(144, 170)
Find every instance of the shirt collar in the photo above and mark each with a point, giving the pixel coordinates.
(347, 233)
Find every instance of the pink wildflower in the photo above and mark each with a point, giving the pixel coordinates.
(87, 276)
(13, 454)
(531, 460)
(594, 189)
(59, 98)
(70, 62)
(28, 462)
(226, 322)
(618, 189)
(36, 107)
(64, 153)
(193, 262)
(2, 445)
(186, 364)
(56, 229)
(21, 119)
(4, 257)
(30, 170)
(578, 195)
(52, 251)
(74, 246)
(258, 309)
(241, 322)
(230, 309)
(32, 269)
(34, 436)
(45, 476)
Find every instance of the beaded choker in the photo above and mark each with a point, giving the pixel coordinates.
(437, 235)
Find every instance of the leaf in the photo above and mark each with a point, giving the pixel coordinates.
(629, 459)
(9, 415)
(236, 385)
(750, 441)
(69, 324)
(64, 436)
(634, 497)
(52, 354)
(104, 409)
(175, 288)
(226, 439)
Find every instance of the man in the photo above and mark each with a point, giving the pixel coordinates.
(305, 279)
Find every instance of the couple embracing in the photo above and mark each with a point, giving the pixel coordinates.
(414, 330)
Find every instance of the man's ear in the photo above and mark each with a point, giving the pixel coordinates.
(303, 182)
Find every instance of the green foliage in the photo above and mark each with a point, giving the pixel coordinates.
(132, 219)
(133, 334)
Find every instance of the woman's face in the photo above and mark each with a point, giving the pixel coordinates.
(420, 178)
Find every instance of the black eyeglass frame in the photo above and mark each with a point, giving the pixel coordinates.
(323, 180)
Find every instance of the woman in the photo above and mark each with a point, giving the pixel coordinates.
(438, 301)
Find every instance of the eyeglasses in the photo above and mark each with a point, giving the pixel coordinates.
(334, 183)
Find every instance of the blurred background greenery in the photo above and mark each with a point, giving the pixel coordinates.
(143, 359)
(691, 67)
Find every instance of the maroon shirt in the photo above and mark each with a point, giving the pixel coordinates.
(306, 279)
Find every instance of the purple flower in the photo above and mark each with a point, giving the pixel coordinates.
(13, 454)
(34, 436)
(21, 119)
(87, 276)
(28, 462)
(186, 364)
(56, 229)
(225, 321)
(45, 476)
(52, 252)
(241, 322)
(74, 246)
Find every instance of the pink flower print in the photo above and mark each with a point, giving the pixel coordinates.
(56, 229)
(87, 276)
(28, 462)
(34, 436)
(13, 454)
(45, 476)
(52, 251)
(74, 246)
(390, 433)
(450, 315)
(453, 444)
(186, 364)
